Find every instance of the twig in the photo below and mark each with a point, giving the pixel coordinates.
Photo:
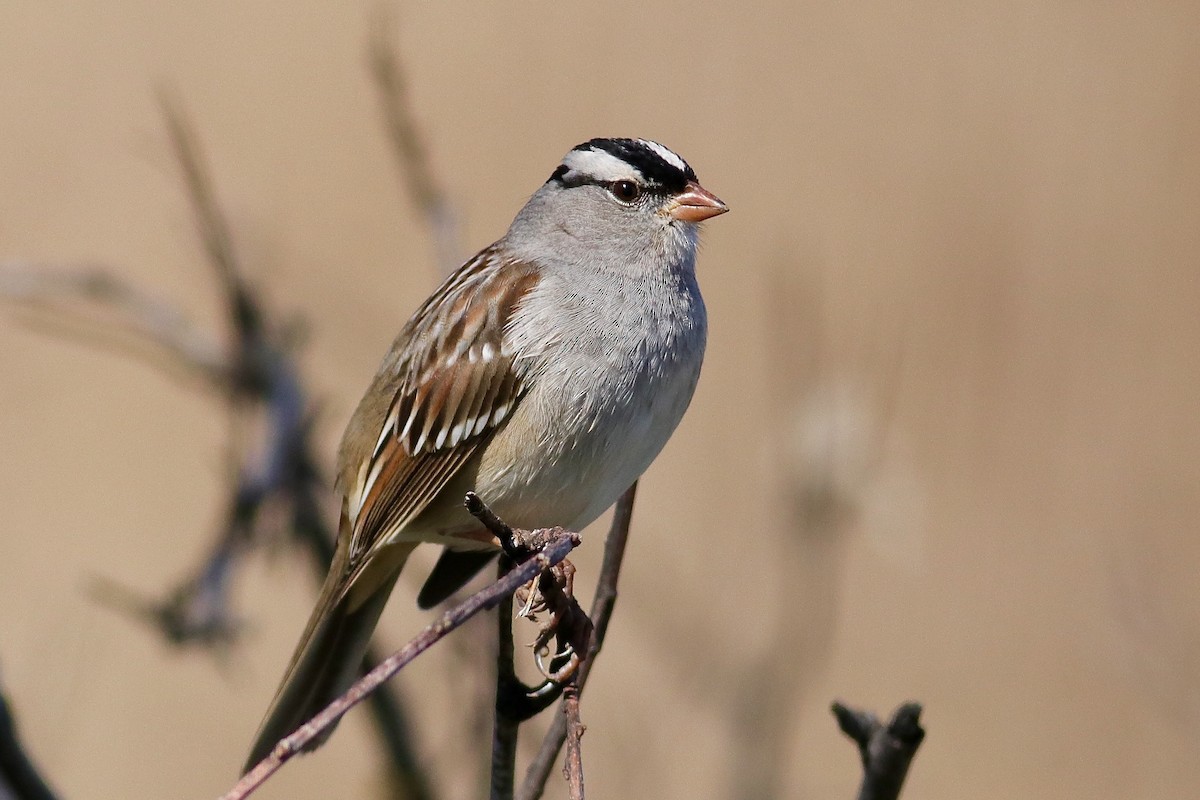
(602, 608)
(886, 751)
(19, 778)
(573, 768)
(505, 726)
(412, 158)
(497, 526)
(567, 625)
(560, 544)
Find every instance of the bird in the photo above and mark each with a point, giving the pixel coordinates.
(545, 374)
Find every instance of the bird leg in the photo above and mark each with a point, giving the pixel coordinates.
(552, 592)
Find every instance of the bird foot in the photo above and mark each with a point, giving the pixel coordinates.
(553, 593)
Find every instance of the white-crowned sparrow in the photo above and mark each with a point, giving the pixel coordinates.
(545, 374)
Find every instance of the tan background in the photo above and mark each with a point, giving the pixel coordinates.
(958, 289)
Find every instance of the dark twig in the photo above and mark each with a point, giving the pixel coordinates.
(515, 703)
(245, 311)
(19, 778)
(497, 526)
(559, 545)
(567, 625)
(602, 608)
(505, 724)
(886, 751)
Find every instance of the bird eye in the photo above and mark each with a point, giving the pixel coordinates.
(625, 191)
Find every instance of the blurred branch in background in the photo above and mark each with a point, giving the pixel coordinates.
(257, 375)
(19, 778)
(98, 308)
(886, 750)
(408, 144)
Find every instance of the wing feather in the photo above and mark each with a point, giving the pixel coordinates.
(453, 380)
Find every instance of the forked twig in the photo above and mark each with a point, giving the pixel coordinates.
(567, 625)
(886, 750)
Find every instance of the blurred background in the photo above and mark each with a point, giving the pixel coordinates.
(946, 446)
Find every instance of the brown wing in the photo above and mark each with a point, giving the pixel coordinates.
(454, 380)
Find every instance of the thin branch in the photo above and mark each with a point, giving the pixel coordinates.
(409, 150)
(573, 768)
(560, 544)
(505, 726)
(602, 608)
(567, 625)
(508, 540)
(886, 751)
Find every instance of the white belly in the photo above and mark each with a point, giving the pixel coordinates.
(593, 445)
(602, 401)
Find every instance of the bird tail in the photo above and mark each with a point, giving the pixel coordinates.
(328, 659)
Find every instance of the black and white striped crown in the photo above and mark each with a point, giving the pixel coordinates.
(606, 160)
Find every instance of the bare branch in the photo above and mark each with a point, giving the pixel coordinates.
(497, 526)
(886, 751)
(195, 612)
(256, 371)
(505, 726)
(559, 545)
(602, 608)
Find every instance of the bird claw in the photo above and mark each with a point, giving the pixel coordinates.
(563, 673)
(539, 658)
(533, 602)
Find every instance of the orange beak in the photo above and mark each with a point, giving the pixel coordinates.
(695, 203)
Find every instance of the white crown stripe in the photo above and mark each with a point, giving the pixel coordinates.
(667, 155)
(601, 165)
